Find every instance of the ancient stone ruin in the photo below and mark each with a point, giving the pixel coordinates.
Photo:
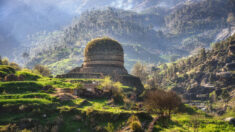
(104, 57)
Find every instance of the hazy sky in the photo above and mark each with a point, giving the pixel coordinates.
(75, 6)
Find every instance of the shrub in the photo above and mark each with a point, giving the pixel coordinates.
(117, 93)
(136, 126)
(79, 86)
(5, 61)
(42, 70)
(7, 69)
(11, 77)
(115, 88)
(162, 102)
(2, 74)
(15, 66)
(107, 83)
(20, 87)
(28, 75)
(110, 127)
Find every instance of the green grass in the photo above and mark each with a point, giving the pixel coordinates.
(32, 101)
(70, 125)
(57, 83)
(20, 87)
(7, 69)
(185, 123)
(29, 95)
(28, 75)
(101, 105)
(65, 83)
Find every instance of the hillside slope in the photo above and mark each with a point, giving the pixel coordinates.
(127, 27)
(209, 75)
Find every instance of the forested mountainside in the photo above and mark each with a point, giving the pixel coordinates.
(155, 34)
(125, 26)
(20, 18)
(208, 15)
(201, 23)
(209, 75)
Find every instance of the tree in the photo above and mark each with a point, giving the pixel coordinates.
(162, 102)
(5, 61)
(140, 70)
(15, 66)
(203, 53)
(42, 70)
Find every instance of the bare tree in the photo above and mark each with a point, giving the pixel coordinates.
(161, 102)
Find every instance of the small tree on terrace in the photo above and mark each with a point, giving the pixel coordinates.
(162, 102)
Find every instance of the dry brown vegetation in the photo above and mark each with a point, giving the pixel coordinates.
(162, 102)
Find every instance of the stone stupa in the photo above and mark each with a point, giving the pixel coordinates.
(104, 57)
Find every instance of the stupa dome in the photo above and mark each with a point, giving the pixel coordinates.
(103, 51)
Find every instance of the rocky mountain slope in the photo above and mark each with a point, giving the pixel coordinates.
(209, 75)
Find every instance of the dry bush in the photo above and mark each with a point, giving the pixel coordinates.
(162, 102)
